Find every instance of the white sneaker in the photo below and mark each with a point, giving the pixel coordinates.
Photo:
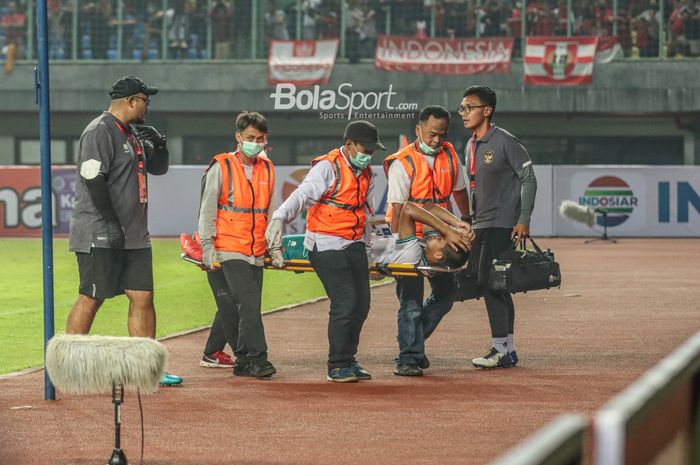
(493, 359)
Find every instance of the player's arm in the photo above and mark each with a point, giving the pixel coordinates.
(412, 213)
(446, 216)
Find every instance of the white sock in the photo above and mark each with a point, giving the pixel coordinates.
(500, 344)
(511, 343)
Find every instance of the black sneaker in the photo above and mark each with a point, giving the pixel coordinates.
(360, 373)
(407, 369)
(425, 363)
(513, 358)
(256, 369)
(493, 359)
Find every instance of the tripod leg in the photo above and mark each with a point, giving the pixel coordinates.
(118, 457)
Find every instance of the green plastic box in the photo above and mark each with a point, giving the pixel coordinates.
(293, 247)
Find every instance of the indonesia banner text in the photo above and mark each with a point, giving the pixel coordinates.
(443, 56)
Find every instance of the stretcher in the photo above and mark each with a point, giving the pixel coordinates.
(392, 270)
(293, 249)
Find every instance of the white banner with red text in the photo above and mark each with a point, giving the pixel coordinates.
(443, 56)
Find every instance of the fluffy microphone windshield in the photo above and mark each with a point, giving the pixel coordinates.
(575, 212)
(81, 364)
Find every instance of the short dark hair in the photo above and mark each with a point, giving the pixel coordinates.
(436, 111)
(452, 258)
(486, 95)
(251, 118)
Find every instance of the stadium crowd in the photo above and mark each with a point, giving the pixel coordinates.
(221, 29)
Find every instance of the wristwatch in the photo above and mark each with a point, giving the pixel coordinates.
(467, 219)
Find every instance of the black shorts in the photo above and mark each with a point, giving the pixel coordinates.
(106, 273)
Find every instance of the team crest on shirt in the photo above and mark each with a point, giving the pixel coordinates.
(126, 147)
(488, 157)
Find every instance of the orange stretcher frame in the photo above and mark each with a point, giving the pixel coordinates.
(387, 269)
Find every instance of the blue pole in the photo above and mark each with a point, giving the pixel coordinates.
(46, 194)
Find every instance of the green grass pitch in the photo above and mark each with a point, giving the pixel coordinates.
(183, 298)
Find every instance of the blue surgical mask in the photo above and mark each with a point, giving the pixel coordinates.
(360, 160)
(425, 148)
(251, 149)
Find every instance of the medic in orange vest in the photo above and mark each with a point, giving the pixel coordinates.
(338, 192)
(237, 191)
(429, 170)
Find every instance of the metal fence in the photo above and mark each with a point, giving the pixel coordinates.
(141, 30)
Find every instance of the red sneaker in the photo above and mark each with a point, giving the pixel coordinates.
(191, 246)
(216, 360)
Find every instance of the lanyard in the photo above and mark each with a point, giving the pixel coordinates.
(472, 158)
(143, 187)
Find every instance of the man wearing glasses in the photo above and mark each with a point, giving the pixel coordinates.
(502, 188)
(109, 225)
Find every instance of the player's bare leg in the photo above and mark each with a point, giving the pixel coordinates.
(82, 314)
(142, 314)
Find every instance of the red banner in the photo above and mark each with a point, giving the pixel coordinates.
(443, 56)
(559, 61)
(301, 62)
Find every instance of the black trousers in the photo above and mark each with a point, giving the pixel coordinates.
(239, 309)
(489, 244)
(220, 334)
(345, 277)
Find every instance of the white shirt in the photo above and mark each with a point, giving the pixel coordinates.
(317, 182)
(400, 182)
(406, 251)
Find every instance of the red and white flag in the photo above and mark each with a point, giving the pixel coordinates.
(443, 56)
(608, 49)
(559, 61)
(301, 62)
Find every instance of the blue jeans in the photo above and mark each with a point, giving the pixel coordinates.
(410, 320)
(438, 303)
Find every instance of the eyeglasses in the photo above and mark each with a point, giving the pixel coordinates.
(462, 110)
(147, 101)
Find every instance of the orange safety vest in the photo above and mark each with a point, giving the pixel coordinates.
(434, 185)
(241, 219)
(341, 209)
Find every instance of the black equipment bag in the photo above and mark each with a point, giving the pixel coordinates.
(466, 283)
(523, 270)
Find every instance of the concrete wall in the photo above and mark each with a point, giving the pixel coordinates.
(627, 98)
(618, 87)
